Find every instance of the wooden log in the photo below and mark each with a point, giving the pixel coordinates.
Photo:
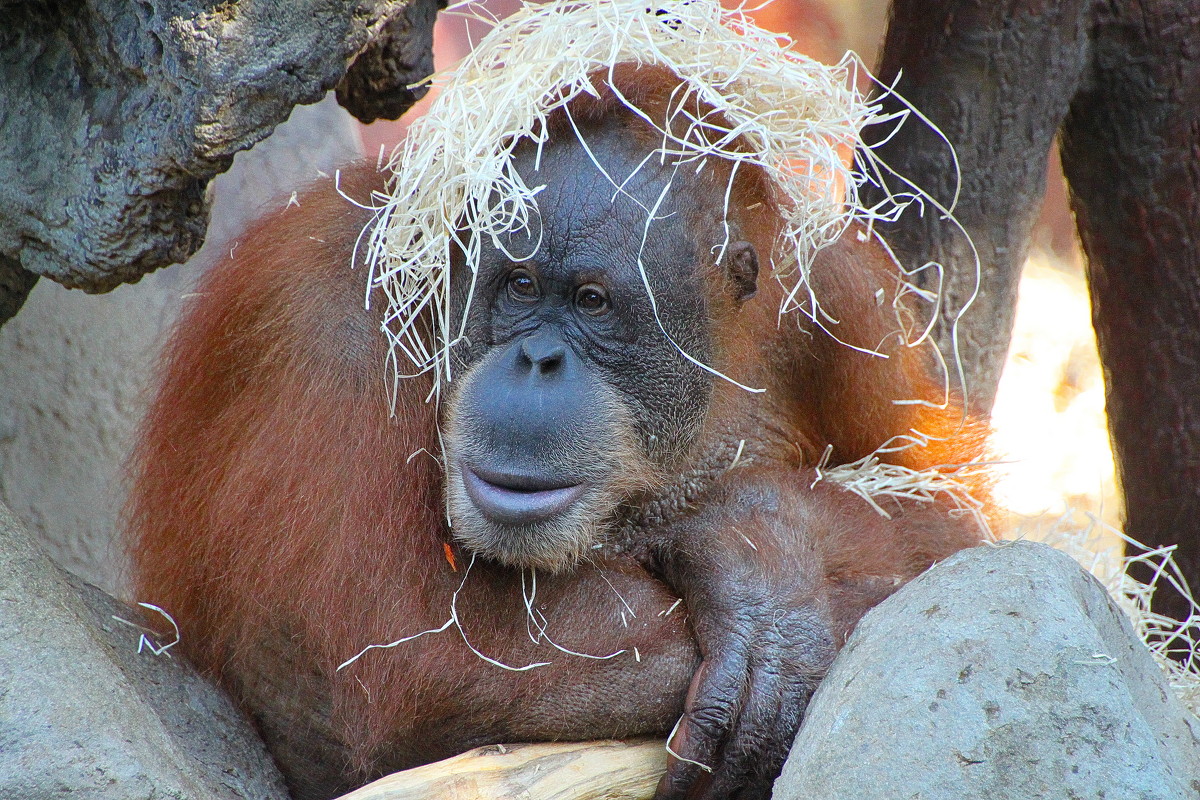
(608, 770)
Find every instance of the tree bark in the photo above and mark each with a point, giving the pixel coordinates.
(1131, 153)
(379, 84)
(114, 116)
(996, 77)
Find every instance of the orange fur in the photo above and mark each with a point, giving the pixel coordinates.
(286, 520)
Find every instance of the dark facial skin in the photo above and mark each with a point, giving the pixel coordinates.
(571, 398)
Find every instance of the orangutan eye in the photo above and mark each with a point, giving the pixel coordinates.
(522, 286)
(592, 299)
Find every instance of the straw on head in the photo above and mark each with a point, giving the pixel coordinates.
(455, 184)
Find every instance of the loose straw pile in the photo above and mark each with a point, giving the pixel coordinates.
(455, 184)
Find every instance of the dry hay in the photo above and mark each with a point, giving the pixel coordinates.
(454, 182)
(872, 478)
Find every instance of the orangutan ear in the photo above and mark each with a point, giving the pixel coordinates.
(742, 267)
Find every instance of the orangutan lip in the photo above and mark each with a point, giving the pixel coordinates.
(512, 499)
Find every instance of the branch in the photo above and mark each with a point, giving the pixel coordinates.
(572, 771)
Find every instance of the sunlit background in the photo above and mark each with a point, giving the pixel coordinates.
(1049, 416)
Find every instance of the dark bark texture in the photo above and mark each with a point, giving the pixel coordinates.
(1131, 152)
(379, 84)
(1122, 79)
(996, 77)
(115, 115)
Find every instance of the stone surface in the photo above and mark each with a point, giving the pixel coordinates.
(1003, 672)
(84, 715)
(114, 116)
(74, 368)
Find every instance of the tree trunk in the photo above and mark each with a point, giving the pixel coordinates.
(1131, 153)
(116, 115)
(996, 76)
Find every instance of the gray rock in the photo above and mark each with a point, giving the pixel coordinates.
(84, 715)
(115, 115)
(1003, 672)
